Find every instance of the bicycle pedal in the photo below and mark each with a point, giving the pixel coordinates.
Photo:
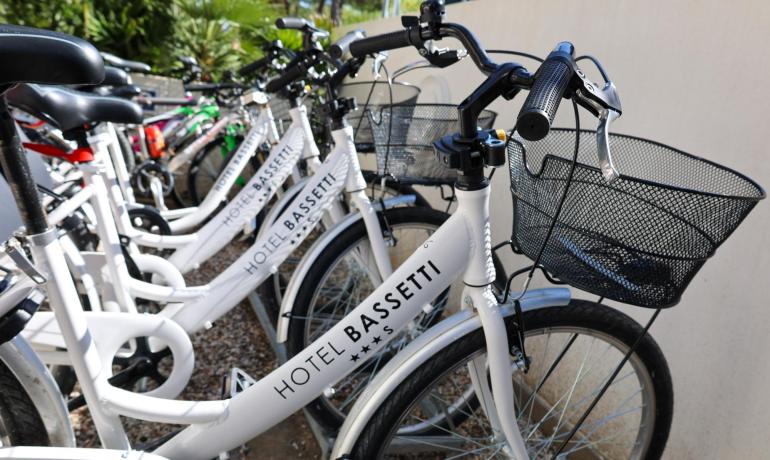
(239, 381)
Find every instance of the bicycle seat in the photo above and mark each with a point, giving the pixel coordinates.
(69, 109)
(41, 56)
(130, 66)
(124, 92)
(112, 77)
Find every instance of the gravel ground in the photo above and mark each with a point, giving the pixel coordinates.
(236, 340)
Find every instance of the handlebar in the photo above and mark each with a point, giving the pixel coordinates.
(254, 66)
(293, 23)
(170, 101)
(385, 42)
(303, 25)
(201, 87)
(551, 83)
(339, 49)
(293, 72)
(272, 52)
(417, 35)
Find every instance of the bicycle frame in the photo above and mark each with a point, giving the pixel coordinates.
(217, 426)
(296, 144)
(198, 307)
(192, 249)
(187, 218)
(339, 171)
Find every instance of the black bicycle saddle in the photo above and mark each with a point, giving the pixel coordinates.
(125, 64)
(41, 56)
(69, 109)
(114, 76)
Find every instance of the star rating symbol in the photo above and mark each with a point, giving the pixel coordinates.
(365, 349)
(376, 340)
(354, 358)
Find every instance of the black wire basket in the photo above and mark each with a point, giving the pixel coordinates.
(403, 140)
(372, 96)
(639, 239)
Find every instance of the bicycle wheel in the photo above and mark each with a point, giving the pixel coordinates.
(150, 220)
(272, 290)
(20, 423)
(340, 279)
(125, 148)
(208, 164)
(574, 349)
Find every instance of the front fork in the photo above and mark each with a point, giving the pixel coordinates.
(374, 230)
(497, 401)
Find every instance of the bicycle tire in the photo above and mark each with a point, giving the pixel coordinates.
(199, 191)
(20, 422)
(578, 314)
(125, 148)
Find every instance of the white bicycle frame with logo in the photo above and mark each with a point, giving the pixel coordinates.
(263, 129)
(195, 308)
(459, 248)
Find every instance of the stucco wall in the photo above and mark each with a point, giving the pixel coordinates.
(692, 74)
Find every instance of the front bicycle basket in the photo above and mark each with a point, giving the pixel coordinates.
(372, 96)
(403, 140)
(638, 240)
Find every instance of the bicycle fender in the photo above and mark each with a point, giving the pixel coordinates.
(418, 352)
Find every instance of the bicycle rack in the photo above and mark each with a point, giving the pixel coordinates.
(323, 437)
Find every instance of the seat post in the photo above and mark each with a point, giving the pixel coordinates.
(18, 175)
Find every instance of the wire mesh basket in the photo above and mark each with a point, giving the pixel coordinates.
(372, 96)
(403, 140)
(641, 238)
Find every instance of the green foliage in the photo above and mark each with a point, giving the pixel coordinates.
(138, 29)
(352, 14)
(410, 6)
(63, 15)
(221, 34)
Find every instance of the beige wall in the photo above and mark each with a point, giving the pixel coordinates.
(695, 75)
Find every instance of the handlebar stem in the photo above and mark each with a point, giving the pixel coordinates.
(502, 82)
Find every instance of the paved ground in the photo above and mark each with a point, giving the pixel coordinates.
(290, 439)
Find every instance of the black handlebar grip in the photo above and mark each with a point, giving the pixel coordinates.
(339, 49)
(539, 110)
(212, 87)
(292, 73)
(201, 87)
(291, 23)
(254, 66)
(384, 42)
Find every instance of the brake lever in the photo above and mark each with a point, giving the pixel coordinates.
(444, 58)
(441, 57)
(379, 59)
(604, 103)
(609, 172)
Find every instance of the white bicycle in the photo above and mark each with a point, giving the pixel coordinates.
(450, 391)
(105, 276)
